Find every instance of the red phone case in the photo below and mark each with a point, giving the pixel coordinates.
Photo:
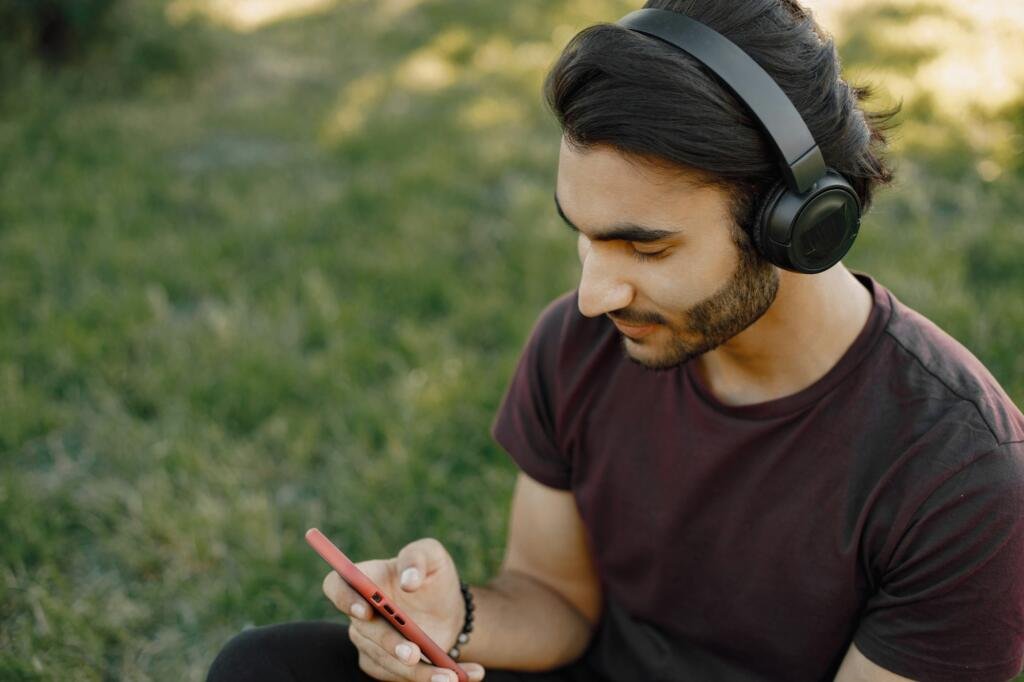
(375, 596)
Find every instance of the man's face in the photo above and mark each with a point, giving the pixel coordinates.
(661, 257)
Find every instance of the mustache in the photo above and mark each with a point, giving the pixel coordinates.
(636, 318)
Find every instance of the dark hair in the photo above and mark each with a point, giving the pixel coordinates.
(655, 103)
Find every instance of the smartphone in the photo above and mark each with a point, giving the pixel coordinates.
(362, 584)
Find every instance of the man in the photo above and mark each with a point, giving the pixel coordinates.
(730, 470)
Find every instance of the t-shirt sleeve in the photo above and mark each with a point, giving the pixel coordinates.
(950, 605)
(525, 423)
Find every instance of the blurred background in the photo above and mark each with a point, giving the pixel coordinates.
(268, 264)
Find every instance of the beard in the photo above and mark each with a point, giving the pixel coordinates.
(734, 307)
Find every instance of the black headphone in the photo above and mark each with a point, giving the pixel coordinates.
(808, 220)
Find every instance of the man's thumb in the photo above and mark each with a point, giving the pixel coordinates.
(418, 560)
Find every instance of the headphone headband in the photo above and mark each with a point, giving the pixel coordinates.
(803, 164)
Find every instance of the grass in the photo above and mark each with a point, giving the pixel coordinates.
(287, 288)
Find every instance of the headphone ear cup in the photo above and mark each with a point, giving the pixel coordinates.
(761, 220)
(811, 232)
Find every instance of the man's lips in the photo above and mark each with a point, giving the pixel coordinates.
(635, 331)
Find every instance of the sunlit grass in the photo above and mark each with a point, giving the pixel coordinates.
(964, 62)
(246, 15)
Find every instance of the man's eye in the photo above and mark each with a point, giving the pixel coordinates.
(644, 256)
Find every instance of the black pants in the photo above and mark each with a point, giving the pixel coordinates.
(311, 651)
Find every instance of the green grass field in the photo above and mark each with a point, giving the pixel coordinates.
(286, 286)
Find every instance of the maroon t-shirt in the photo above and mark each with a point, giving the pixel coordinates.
(882, 505)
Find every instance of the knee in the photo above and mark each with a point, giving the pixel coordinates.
(284, 652)
(243, 659)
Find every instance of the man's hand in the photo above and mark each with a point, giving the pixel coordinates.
(422, 581)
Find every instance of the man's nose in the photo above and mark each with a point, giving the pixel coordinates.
(601, 289)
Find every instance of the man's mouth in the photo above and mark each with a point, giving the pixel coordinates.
(634, 331)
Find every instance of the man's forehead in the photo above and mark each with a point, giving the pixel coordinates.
(608, 195)
(602, 170)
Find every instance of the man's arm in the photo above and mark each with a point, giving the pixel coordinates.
(857, 668)
(540, 611)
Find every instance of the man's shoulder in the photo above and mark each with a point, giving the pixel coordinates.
(931, 360)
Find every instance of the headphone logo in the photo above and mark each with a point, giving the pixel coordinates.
(825, 236)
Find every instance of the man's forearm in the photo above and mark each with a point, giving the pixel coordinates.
(520, 624)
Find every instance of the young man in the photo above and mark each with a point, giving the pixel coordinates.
(730, 470)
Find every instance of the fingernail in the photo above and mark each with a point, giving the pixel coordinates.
(403, 651)
(441, 677)
(409, 576)
(475, 673)
(358, 610)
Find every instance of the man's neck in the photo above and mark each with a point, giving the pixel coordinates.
(812, 323)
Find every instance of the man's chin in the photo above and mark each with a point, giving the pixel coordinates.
(654, 357)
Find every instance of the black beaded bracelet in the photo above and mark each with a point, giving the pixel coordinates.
(467, 627)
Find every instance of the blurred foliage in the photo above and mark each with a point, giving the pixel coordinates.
(97, 46)
(285, 286)
(55, 29)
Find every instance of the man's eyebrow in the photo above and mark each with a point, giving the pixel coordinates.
(630, 232)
